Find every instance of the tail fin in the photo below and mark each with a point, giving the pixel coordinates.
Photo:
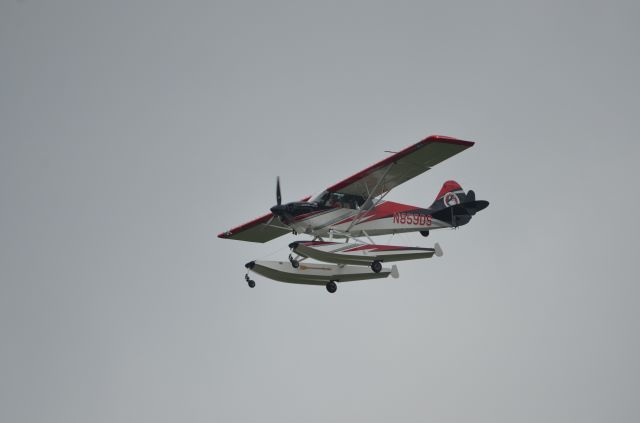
(452, 205)
(451, 194)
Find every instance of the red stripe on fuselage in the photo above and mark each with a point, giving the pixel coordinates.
(310, 214)
(311, 243)
(384, 210)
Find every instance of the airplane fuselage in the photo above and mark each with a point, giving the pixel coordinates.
(385, 218)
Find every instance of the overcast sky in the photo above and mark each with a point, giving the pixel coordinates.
(133, 132)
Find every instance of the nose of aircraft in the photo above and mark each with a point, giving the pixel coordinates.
(278, 209)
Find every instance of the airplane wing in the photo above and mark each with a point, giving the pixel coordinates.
(394, 170)
(371, 182)
(263, 229)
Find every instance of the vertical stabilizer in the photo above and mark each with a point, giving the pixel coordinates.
(450, 194)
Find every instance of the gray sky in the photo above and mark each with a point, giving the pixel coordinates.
(131, 133)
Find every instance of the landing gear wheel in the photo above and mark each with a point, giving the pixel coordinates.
(332, 287)
(424, 233)
(250, 281)
(294, 263)
(376, 266)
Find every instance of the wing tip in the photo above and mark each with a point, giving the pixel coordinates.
(447, 139)
(238, 229)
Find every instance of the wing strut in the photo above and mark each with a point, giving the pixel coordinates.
(358, 216)
(368, 203)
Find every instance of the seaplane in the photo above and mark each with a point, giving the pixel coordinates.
(341, 222)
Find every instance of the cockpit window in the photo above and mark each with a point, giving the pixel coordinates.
(320, 198)
(340, 200)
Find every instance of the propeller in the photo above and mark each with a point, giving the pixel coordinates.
(278, 194)
(280, 210)
(278, 199)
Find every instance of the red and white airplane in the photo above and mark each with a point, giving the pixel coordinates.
(355, 208)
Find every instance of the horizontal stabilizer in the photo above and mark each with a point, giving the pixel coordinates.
(460, 210)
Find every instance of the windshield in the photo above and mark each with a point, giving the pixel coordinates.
(339, 200)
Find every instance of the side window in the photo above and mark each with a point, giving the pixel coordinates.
(348, 201)
(338, 199)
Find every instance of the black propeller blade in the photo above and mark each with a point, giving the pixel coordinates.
(279, 209)
(278, 195)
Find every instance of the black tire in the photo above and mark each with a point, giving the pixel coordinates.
(295, 264)
(424, 233)
(376, 266)
(332, 287)
(251, 283)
